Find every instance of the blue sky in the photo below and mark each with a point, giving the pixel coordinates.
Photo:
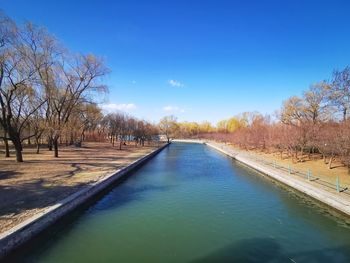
(200, 60)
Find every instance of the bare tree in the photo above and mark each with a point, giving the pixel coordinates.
(339, 93)
(168, 126)
(38, 125)
(71, 82)
(20, 96)
(316, 105)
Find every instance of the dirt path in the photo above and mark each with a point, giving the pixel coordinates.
(27, 188)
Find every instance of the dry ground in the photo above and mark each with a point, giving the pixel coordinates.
(41, 180)
(316, 165)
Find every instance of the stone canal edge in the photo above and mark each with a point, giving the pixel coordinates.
(31, 227)
(333, 200)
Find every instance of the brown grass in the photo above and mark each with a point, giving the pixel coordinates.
(41, 180)
(316, 165)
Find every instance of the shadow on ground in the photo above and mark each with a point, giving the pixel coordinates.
(8, 174)
(34, 194)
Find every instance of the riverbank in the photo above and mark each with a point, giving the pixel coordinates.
(191, 203)
(188, 140)
(325, 193)
(37, 202)
(333, 198)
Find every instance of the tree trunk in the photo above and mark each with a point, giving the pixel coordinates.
(28, 141)
(309, 154)
(16, 140)
(344, 114)
(55, 145)
(71, 141)
(120, 144)
(37, 141)
(7, 149)
(296, 155)
(301, 154)
(49, 143)
(330, 162)
(18, 147)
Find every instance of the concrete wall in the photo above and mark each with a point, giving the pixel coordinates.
(338, 201)
(34, 225)
(188, 140)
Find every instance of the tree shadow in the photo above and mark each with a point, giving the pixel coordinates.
(125, 194)
(32, 195)
(248, 250)
(114, 196)
(80, 167)
(337, 166)
(77, 169)
(40, 193)
(6, 174)
(338, 254)
(269, 250)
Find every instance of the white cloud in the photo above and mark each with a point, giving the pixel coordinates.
(118, 107)
(170, 108)
(175, 83)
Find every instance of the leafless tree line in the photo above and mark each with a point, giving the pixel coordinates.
(316, 123)
(122, 128)
(49, 95)
(42, 85)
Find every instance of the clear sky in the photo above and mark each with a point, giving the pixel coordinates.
(200, 60)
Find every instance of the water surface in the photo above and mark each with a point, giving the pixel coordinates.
(193, 204)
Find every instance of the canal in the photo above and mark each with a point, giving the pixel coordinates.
(193, 204)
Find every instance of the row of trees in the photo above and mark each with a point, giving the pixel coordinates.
(316, 122)
(124, 128)
(170, 128)
(50, 95)
(43, 87)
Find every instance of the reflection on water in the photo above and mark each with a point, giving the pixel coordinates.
(192, 204)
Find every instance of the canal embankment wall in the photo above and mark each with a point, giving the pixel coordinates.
(189, 141)
(23, 232)
(333, 199)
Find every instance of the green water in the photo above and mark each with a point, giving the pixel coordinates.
(192, 204)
